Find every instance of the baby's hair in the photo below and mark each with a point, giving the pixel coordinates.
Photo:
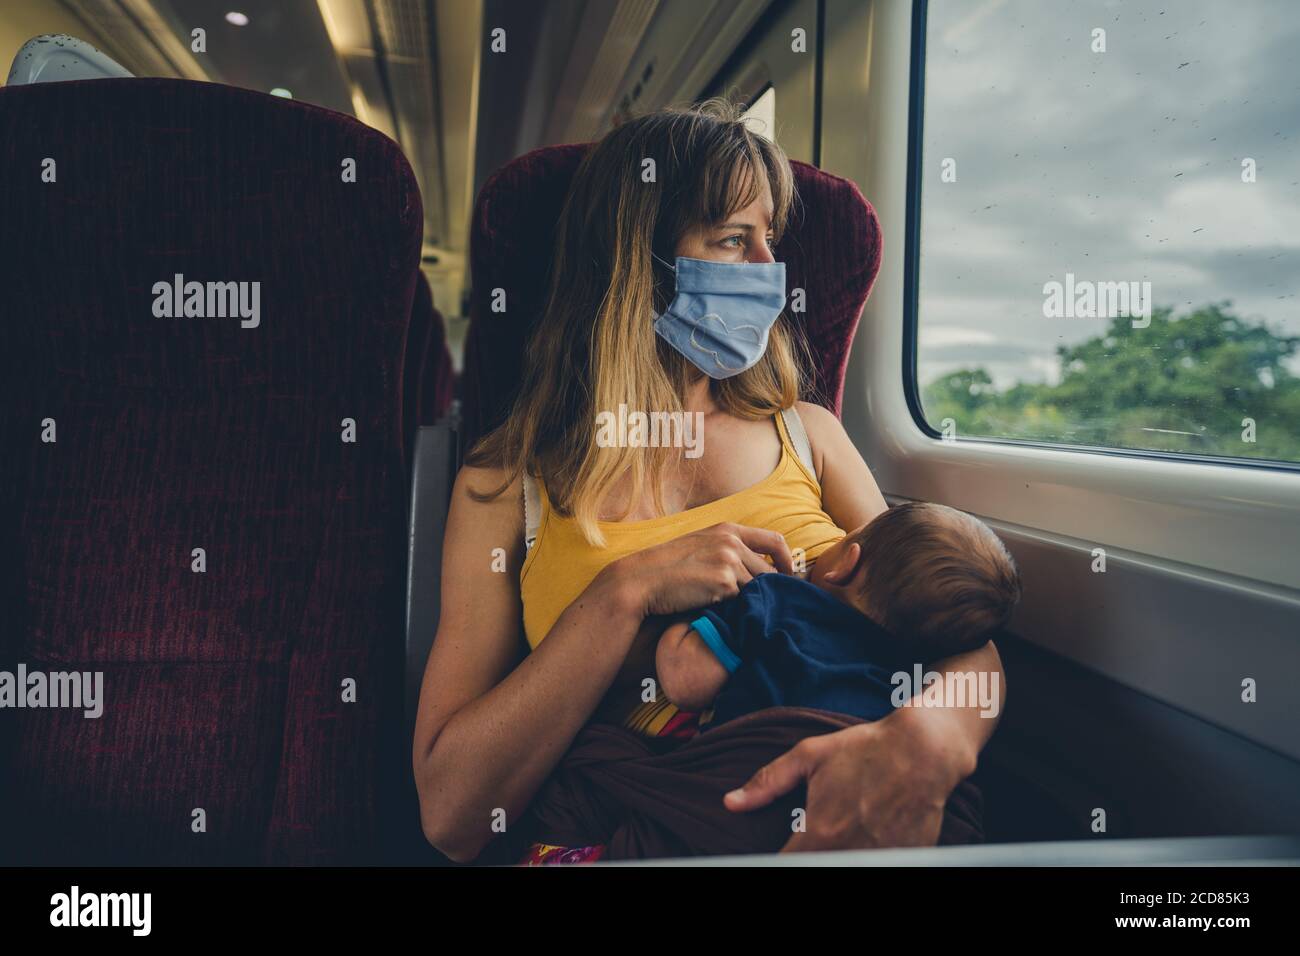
(937, 578)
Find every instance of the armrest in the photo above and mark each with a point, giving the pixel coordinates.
(435, 461)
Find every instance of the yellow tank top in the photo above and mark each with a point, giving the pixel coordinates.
(561, 563)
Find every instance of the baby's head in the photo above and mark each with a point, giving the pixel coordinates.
(934, 577)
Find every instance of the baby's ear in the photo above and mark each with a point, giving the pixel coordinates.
(841, 570)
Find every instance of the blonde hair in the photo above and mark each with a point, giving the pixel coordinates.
(594, 347)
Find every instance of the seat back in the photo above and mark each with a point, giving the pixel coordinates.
(217, 526)
(831, 249)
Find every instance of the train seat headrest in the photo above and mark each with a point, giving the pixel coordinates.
(196, 239)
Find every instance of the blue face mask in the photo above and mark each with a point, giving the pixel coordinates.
(722, 312)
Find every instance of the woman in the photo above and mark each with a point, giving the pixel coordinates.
(627, 535)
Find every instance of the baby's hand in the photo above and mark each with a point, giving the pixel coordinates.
(689, 673)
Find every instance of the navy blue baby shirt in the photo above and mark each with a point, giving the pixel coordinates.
(788, 643)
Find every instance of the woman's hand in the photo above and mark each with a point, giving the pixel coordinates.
(700, 568)
(871, 785)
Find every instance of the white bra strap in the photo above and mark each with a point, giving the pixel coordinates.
(799, 438)
(532, 511)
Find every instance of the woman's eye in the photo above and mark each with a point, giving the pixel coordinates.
(738, 242)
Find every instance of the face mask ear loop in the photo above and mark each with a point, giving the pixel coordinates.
(660, 258)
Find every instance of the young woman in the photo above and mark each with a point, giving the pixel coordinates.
(626, 535)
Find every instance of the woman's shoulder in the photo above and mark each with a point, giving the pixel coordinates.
(491, 495)
(822, 427)
(816, 418)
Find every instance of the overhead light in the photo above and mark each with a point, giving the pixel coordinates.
(347, 24)
(281, 91)
(237, 18)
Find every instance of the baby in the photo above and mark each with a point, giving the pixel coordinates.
(918, 583)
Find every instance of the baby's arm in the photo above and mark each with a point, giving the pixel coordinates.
(689, 673)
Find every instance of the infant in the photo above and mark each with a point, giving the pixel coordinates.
(918, 583)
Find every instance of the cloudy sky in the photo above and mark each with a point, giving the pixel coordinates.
(1115, 166)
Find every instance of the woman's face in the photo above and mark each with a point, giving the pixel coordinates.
(746, 236)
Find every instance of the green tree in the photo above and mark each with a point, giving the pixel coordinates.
(1183, 384)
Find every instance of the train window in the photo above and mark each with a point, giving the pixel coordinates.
(1107, 234)
(762, 114)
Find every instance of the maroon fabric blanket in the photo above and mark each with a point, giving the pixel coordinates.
(646, 797)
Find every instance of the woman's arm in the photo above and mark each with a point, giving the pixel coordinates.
(883, 783)
(481, 745)
(852, 498)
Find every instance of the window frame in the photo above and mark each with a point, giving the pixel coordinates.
(763, 88)
(912, 294)
(751, 100)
